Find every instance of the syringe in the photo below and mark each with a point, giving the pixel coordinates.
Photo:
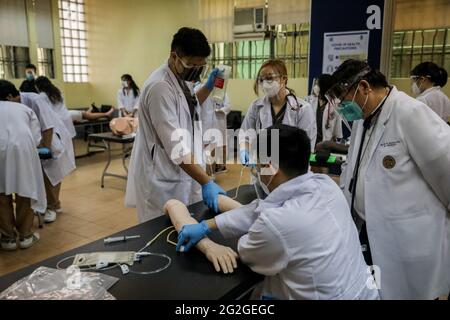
(119, 239)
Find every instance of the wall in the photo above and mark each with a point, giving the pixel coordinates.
(134, 37)
(420, 14)
(119, 44)
(128, 37)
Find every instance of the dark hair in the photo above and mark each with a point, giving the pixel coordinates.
(350, 68)
(6, 89)
(188, 42)
(43, 84)
(31, 66)
(134, 87)
(294, 147)
(436, 74)
(279, 66)
(325, 82)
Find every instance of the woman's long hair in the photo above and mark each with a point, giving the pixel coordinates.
(43, 84)
(134, 87)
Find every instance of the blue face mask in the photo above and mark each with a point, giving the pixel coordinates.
(30, 76)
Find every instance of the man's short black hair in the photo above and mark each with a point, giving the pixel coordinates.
(31, 66)
(189, 42)
(294, 147)
(325, 82)
(6, 89)
(351, 68)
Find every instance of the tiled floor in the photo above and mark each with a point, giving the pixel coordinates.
(90, 213)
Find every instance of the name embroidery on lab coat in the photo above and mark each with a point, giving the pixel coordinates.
(390, 144)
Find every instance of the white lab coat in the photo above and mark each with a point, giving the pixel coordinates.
(299, 114)
(127, 100)
(62, 112)
(154, 175)
(406, 206)
(330, 117)
(302, 238)
(215, 117)
(63, 162)
(20, 167)
(437, 101)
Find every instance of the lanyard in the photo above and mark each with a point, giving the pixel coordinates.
(372, 119)
(282, 113)
(278, 118)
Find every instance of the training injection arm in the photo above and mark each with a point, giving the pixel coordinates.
(223, 258)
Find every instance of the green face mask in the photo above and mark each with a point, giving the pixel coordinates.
(350, 110)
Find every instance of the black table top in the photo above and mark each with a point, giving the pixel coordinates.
(109, 136)
(190, 276)
(85, 122)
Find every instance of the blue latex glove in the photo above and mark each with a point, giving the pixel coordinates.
(192, 234)
(210, 193)
(245, 157)
(45, 153)
(212, 79)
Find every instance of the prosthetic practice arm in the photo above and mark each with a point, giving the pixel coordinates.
(223, 258)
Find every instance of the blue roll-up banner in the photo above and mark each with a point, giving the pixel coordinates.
(344, 29)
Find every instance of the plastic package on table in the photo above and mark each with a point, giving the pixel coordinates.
(51, 284)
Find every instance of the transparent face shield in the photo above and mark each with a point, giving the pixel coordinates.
(314, 84)
(336, 95)
(193, 73)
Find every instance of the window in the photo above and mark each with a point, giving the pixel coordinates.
(45, 63)
(13, 61)
(73, 40)
(287, 42)
(291, 44)
(412, 47)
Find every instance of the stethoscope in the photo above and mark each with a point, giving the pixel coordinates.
(295, 108)
(327, 125)
(371, 120)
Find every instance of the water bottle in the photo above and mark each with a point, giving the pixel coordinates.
(221, 83)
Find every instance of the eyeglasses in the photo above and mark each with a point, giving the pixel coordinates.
(269, 78)
(416, 78)
(191, 67)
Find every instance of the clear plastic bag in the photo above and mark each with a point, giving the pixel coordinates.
(51, 284)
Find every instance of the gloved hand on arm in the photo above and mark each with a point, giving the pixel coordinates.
(223, 258)
(191, 235)
(211, 193)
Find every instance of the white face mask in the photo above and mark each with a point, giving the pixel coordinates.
(316, 90)
(271, 89)
(124, 84)
(265, 187)
(416, 89)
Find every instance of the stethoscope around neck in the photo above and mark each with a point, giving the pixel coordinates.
(296, 108)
